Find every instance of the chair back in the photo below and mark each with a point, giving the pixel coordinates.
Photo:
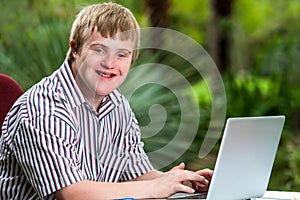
(10, 91)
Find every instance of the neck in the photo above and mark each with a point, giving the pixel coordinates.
(90, 95)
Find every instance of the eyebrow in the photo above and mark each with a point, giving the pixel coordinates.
(106, 47)
(98, 45)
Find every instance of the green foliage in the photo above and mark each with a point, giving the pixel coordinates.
(264, 77)
(294, 164)
(33, 43)
(269, 96)
(190, 17)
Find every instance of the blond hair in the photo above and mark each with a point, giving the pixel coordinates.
(107, 18)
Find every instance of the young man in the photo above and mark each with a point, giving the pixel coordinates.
(74, 136)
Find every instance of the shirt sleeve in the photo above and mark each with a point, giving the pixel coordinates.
(48, 158)
(138, 163)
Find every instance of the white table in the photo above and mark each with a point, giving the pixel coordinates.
(280, 195)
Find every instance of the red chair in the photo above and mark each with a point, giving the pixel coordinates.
(10, 91)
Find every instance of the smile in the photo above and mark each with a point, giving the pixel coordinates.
(102, 74)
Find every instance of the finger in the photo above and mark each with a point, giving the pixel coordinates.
(184, 188)
(207, 173)
(203, 183)
(190, 176)
(180, 166)
(202, 186)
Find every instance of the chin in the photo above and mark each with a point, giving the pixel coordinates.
(103, 93)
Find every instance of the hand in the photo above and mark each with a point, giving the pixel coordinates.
(174, 181)
(203, 186)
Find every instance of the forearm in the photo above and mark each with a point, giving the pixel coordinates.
(104, 190)
(145, 186)
(149, 176)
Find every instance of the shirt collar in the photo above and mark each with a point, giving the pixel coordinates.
(69, 85)
(116, 97)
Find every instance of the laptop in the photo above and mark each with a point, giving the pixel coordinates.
(245, 159)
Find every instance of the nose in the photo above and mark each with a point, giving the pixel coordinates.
(107, 62)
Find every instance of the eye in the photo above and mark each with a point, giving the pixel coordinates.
(124, 54)
(121, 55)
(99, 50)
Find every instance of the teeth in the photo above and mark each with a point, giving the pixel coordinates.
(103, 74)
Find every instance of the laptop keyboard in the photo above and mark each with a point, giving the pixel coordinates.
(188, 196)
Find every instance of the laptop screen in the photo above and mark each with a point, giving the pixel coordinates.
(246, 156)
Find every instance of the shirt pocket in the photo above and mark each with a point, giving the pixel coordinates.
(112, 166)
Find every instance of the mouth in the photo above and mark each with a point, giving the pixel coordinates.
(105, 75)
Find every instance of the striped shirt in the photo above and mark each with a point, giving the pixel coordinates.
(52, 138)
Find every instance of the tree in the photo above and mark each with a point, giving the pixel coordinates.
(219, 29)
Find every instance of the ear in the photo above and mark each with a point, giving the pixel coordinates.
(73, 47)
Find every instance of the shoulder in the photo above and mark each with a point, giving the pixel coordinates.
(45, 98)
(42, 97)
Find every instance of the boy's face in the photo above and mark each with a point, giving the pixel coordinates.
(102, 65)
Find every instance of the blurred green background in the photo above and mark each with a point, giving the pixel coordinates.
(255, 45)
